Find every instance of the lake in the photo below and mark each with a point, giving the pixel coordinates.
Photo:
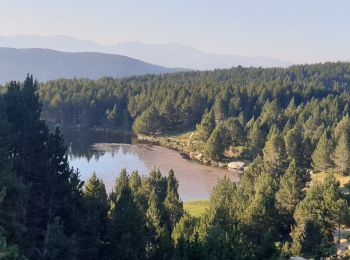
(108, 153)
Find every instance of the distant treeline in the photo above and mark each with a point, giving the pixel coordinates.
(246, 104)
(178, 101)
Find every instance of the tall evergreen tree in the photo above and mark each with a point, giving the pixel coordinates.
(256, 140)
(214, 148)
(275, 158)
(316, 218)
(342, 126)
(126, 224)
(321, 157)
(12, 187)
(293, 143)
(288, 196)
(206, 127)
(172, 203)
(154, 228)
(93, 234)
(341, 156)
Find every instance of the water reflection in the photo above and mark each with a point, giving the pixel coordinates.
(108, 153)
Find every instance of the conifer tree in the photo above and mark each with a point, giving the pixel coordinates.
(321, 157)
(343, 126)
(58, 245)
(316, 217)
(256, 139)
(11, 187)
(112, 116)
(293, 143)
(93, 234)
(341, 155)
(235, 132)
(148, 122)
(215, 147)
(172, 203)
(290, 190)
(275, 158)
(154, 227)
(126, 224)
(206, 127)
(288, 196)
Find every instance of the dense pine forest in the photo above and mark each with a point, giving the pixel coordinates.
(292, 123)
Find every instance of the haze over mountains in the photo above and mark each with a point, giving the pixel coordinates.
(172, 55)
(46, 64)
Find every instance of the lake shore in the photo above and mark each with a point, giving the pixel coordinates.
(191, 150)
(183, 144)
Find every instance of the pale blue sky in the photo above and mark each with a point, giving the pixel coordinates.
(293, 30)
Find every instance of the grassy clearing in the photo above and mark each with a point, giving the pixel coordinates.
(319, 177)
(196, 208)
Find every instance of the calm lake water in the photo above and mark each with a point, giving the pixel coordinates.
(108, 153)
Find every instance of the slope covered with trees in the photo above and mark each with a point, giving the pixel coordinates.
(228, 108)
(287, 127)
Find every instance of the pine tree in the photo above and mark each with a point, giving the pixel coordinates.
(30, 143)
(271, 113)
(11, 206)
(148, 122)
(288, 196)
(214, 148)
(235, 132)
(343, 126)
(154, 227)
(58, 245)
(256, 140)
(341, 156)
(172, 203)
(316, 217)
(206, 127)
(290, 190)
(321, 157)
(275, 158)
(93, 234)
(112, 116)
(293, 143)
(126, 224)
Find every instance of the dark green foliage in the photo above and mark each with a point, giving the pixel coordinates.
(256, 139)
(215, 145)
(275, 158)
(235, 134)
(126, 224)
(57, 244)
(172, 203)
(341, 156)
(287, 116)
(93, 234)
(322, 156)
(288, 196)
(9, 252)
(316, 219)
(39, 161)
(293, 143)
(148, 122)
(206, 127)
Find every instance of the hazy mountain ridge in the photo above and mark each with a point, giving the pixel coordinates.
(168, 54)
(46, 64)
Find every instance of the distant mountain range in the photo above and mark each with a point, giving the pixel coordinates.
(47, 64)
(172, 55)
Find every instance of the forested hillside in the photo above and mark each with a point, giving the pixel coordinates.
(289, 121)
(236, 107)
